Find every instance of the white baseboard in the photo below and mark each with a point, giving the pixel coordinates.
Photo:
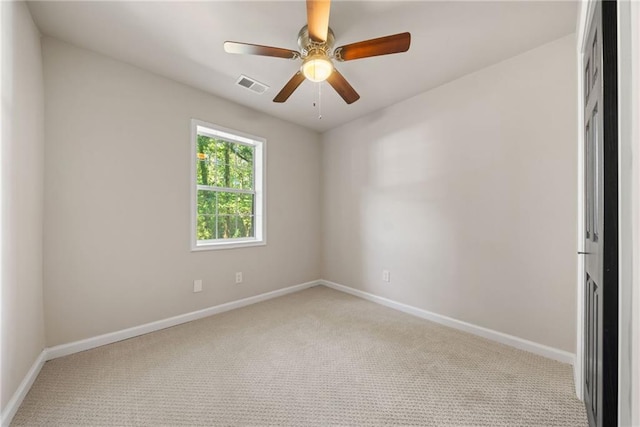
(519, 343)
(16, 400)
(100, 340)
(89, 343)
(577, 380)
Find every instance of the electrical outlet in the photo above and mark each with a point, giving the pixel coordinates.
(197, 285)
(386, 275)
(239, 277)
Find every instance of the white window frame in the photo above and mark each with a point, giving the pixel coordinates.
(259, 174)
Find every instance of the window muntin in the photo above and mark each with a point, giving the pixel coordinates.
(227, 183)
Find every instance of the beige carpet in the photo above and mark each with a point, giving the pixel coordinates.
(317, 357)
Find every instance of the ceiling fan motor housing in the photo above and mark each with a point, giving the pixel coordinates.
(309, 47)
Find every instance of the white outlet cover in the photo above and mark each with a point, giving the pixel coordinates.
(239, 277)
(197, 285)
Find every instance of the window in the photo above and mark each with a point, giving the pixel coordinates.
(227, 198)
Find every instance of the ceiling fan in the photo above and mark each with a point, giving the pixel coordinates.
(316, 42)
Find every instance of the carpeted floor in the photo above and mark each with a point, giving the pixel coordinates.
(316, 357)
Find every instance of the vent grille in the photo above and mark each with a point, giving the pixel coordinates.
(251, 84)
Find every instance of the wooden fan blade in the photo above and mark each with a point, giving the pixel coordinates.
(318, 19)
(288, 89)
(381, 46)
(342, 86)
(256, 49)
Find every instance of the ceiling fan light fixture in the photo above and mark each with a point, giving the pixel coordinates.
(317, 68)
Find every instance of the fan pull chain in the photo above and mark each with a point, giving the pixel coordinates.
(317, 102)
(320, 101)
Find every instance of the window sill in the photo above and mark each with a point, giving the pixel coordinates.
(233, 244)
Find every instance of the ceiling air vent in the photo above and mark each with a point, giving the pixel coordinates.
(252, 85)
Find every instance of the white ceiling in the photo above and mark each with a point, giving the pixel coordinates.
(184, 41)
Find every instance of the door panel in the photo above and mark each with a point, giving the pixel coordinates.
(593, 354)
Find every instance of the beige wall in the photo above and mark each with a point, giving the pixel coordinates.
(467, 194)
(22, 195)
(117, 249)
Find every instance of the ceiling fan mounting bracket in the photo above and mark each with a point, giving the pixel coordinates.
(310, 47)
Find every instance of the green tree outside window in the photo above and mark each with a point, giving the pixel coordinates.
(225, 189)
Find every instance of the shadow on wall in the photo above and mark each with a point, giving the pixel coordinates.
(408, 206)
(466, 194)
(436, 202)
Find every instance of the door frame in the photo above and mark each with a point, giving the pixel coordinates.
(629, 211)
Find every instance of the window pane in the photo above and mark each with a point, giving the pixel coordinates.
(247, 176)
(235, 226)
(206, 202)
(243, 166)
(246, 222)
(245, 204)
(239, 169)
(207, 206)
(224, 164)
(225, 215)
(224, 227)
(206, 227)
(220, 171)
(204, 157)
(243, 226)
(226, 203)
